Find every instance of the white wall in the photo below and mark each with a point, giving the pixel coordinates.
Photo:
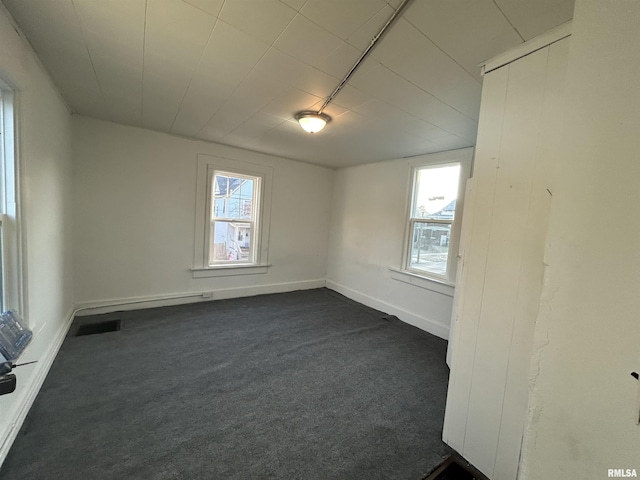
(584, 403)
(45, 160)
(134, 212)
(367, 237)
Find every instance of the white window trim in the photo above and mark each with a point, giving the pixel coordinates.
(206, 165)
(13, 248)
(432, 284)
(463, 157)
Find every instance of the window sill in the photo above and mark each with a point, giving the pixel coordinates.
(435, 285)
(228, 270)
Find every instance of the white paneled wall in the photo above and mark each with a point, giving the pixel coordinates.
(503, 266)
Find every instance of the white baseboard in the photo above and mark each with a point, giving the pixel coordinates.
(31, 390)
(152, 301)
(422, 323)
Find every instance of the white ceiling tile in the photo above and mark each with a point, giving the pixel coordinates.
(264, 20)
(175, 37)
(386, 85)
(114, 33)
(278, 67)
(350, 97)
(230, 55)
(227, 59)
(452, 142)
(469, 31)
(79, 88)
(394, 3)
(249, 98)
(394, 117)
(429, 68)
(293, 100)
(258, 91)
(533, 18)
(74, 71)
(339, 62)
(333, 110)
(43, 24)
(366, 67)
(226, 120)
(362, 37)
(56, 35)
(295, 4)
(201, 102)
(210, 6)
(339, 17)
(306, 41)
(257, 125)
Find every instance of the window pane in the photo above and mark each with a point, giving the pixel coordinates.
(430, 247)
(231, 242)
(436, 192)
(232, 197)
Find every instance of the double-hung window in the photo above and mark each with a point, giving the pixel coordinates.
(433, 220)
(232, 211)
(234, 205)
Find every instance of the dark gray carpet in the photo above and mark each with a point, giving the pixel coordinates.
(302, 385)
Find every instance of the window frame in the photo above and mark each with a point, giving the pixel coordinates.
(13, 276)
(254, 222)
(462, 157)
(207, 167)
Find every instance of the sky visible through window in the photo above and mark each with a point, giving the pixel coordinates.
(436, 188)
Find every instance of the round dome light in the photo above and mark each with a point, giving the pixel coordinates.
(312, 122)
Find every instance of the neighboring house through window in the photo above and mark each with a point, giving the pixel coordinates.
(233, 217)
(235, 204)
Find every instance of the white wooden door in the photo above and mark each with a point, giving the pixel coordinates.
(502, 273)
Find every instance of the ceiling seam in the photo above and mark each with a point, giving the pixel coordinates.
(293, 8)
(443, 51)
(430, 94)
(508, 20)
(365, 24)
(203, 10)
(248, 73)
(415, 117)
(357, 29)
(256, 136)
(198, 63)
(284, 120)
(432, 140)
(93, 67)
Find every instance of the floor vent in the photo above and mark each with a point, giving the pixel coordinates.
(101, 327)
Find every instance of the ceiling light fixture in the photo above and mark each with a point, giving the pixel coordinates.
(312, 122)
